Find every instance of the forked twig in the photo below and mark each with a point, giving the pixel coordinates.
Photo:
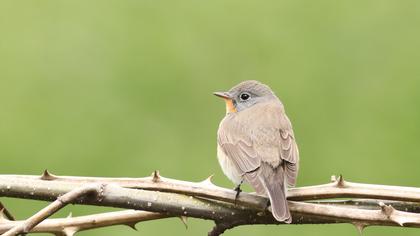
(27, 225)
(71, 225)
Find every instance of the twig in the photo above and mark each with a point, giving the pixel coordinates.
(221, 227)
(71, 225)
(4, 213)
(61, 201)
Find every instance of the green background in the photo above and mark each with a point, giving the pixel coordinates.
(121, 88)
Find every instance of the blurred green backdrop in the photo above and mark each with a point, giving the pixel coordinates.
(121, 88)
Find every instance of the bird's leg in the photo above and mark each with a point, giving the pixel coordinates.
(238, 190)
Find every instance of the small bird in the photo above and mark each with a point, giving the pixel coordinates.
(256, 144)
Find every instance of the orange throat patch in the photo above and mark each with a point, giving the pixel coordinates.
(230, 108)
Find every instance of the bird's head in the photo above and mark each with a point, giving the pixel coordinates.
(246, 94)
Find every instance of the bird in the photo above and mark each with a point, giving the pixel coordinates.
(256, 144)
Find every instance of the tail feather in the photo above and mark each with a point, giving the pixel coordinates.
(273, 182)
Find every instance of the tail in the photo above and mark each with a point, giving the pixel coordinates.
(273, 182)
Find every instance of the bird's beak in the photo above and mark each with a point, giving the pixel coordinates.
(230, 107)
(224, 95)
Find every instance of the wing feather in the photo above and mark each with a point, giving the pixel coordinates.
(243, 156)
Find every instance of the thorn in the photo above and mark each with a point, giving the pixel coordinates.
(399, 221)
(70, 215)
(69, 232)
(132, 225)
(208, 180)
(333, 178)
(360, 227)
(155, 176)
(47, 175)
(340, 182)
(387, 210)
(59, 234)
(184, 221)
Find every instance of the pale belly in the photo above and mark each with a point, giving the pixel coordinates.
(228, 167)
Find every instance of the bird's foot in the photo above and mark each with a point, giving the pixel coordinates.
(238, 190)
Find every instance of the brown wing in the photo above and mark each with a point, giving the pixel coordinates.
(238, 146)
(290, 154)
(289, 151)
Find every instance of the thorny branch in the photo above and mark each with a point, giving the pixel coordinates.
(163, 197)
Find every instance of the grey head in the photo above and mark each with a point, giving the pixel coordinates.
(246, 94)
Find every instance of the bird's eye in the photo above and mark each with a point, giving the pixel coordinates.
(244, 96)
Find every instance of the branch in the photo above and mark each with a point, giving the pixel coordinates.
(341, 188)
(369, 204)
(338, 188)
(204, 200)
(158, 183)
